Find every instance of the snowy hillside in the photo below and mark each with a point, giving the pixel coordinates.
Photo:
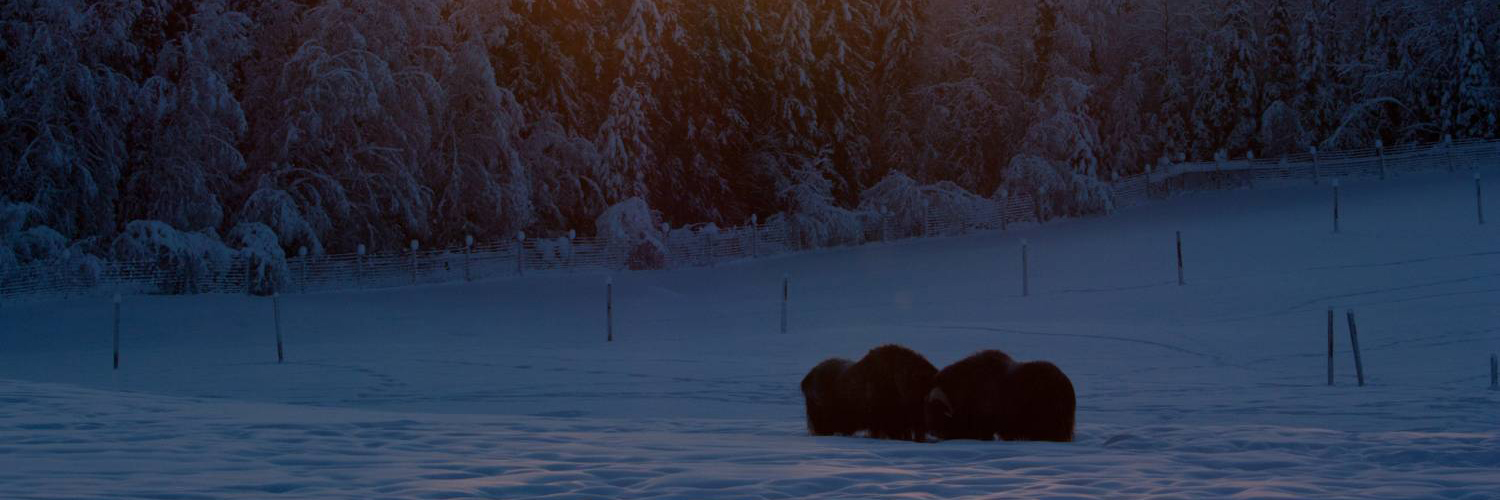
(507, 388)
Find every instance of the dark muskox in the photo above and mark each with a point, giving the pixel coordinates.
(1041, 406)
(827, 415)
(989, 394)
(886, 392)
(966, 401)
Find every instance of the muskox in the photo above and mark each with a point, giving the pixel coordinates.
(827, 415)
(989, 394)
(968, 397)
(882, 394)
(1042, 404)
(886, 392)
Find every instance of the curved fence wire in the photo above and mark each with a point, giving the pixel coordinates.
(706, 245)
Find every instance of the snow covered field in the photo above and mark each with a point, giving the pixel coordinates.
(507, 389)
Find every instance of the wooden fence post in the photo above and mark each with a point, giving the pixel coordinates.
(359, 266)
(468, 249)
(1330, 347)
(1448, 151)
(302, 256)
(1479, 198)
(1005, 203)
(520, 253)
(117, 332)
(1380, 151)
(1314, 151)
(414, 246)
(609, 309)
(1335, 206)
(572, 252)
(1180, 281)
(754, 237)
(1025, 271)
(785, 297)
(1359, 367)
(926, 228)
(1494, 372)
(276, 317)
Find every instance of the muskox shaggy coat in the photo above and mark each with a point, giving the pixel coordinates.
(1042, 404)
(988, 394)
(827, 414)
(968, 398)
(886, 392)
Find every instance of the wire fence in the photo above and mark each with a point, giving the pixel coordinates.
(705, 244)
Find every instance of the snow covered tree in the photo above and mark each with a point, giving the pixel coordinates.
(1315, 101)
(1278, 57)
(627, 143)
(354, 128)
(63, 121)
(1471, 104)
(188, 125)
(1233, 111)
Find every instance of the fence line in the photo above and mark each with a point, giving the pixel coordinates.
(706, 245)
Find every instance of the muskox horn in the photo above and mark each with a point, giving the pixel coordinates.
(938, 396)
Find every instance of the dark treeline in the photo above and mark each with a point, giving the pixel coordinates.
(328, 124)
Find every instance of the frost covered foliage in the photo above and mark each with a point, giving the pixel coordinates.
(632, 225)
(1058, 163)
(346, 122)
(42, 247)
(908, 203)
(187, 260)
(265, 262)
(812, 216)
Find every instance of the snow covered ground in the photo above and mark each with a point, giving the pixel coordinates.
(507, 389)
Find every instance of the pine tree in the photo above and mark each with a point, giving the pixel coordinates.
(1315, 101)
(1278, 57)
(1043, 41)
(1470, 106)
(1236, 109)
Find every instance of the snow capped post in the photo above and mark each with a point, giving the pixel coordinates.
(1359, 367)
(520, 253)
(1330, 347)
(1380, 152)
(1479, 198)
(1005, 202)
(414, 262)
(1250, 169)
(926, 231)
(468, 248)
(1314, 151)
(754, 237)
(359, 266)
(708, 245)
(885, 223)
(1219, 159)
(1494, 372)
(572, 235)
(1025, 273)
(1335, 206)
(117, 331)
(1448, 151)
(302, 256)
(785, 289)
(1180, 281)
(276, 319)
(609, 309)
